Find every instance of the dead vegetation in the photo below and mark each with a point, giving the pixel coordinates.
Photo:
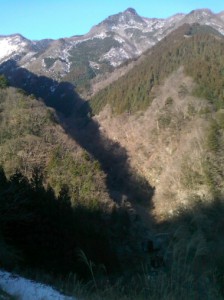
(165, 144)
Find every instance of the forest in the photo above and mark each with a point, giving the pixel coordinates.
(195, 48)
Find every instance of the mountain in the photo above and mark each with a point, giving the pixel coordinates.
(187, 45)
(167, 112)
(129, 182)
(117, 39)
(204, 17)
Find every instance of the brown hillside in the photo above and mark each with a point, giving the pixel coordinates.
(165, 144)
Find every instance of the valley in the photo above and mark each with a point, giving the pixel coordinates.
(111, 155)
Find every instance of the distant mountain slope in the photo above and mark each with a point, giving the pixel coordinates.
(197, 47)
(117, 39)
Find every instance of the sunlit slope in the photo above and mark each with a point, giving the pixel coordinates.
(200, 49)
(30, 137)
(173, 132)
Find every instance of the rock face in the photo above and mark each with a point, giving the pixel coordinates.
(112, 42)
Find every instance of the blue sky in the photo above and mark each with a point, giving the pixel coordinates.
(38, 19)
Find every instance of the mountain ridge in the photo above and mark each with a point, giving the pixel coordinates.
(114, 41)
(136, 87)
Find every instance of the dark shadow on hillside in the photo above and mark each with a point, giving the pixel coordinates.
(60, 96)
(74, 114)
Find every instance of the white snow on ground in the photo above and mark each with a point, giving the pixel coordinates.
(6, 48)
(115, 56)
(10, 45)
(26, 289)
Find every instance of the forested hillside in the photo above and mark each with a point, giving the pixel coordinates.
(53, 195)
(198, 48)
(30, 137)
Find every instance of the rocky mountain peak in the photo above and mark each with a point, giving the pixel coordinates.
(125, 19)
(13, 45)
(205, 17)
(119, 38)
(16, 37)
(130, 15)
(130, 10)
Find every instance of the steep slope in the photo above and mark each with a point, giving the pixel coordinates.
(116, 40)
(52, 186)
(31, 137)
(59, 198)
(188, 45)
(19, 48)
(167, 112)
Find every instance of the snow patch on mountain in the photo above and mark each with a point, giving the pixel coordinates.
(119, 39)
(101, 35)
(8, 47)
(94, 65)
(116, 56)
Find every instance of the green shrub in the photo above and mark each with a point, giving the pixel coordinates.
(3, 82)
(164, 120)
(169, 101)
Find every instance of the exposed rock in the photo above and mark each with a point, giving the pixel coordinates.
(109, 44)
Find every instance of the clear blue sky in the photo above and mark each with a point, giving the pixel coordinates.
(38, 19)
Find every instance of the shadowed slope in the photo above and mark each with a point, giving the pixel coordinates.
(74, 114)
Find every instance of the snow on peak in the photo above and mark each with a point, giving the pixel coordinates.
(10, 45)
